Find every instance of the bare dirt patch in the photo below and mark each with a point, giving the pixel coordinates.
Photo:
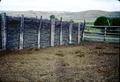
(88, 62)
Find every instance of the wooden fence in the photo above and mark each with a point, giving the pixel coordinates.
(52, 32)
(108, 32)
(82, 34)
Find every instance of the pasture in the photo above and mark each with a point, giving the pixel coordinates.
(87, 62)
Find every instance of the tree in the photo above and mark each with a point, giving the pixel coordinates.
(101, 21)
(104, 21)
(115, 21)
(52, 16)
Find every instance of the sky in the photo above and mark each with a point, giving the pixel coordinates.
(60, 5)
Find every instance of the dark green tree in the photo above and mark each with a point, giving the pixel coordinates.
(104, 21)
(52, 16)
(115, 21)
(101, 21)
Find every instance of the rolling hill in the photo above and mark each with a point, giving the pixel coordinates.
(89, 16)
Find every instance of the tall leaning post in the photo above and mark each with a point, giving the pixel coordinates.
(70, 32)
(3, 31)
(79, 33)
(83, 29)
(40, 24)
(21, 32)
(52, 31)
(61, 36)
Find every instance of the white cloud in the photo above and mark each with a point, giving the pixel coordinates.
(60, 5)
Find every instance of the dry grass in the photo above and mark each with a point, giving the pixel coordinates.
(80, 63)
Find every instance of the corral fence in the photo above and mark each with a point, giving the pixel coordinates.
(109, 34)
(22, 32)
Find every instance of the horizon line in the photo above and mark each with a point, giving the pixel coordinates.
(57, 11)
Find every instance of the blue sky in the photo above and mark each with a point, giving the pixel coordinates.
(60, 5)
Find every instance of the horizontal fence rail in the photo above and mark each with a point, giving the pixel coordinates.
(102, 26)
(22, 32)
(108, 33)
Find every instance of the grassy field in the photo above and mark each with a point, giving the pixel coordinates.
(87, 62)
(93, 30)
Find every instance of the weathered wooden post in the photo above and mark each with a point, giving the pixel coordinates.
(40, 24)
(70, 32)
(79, 33)
(83, 29)
(21, 32)
(36, 17)
(52, 31)
(105, 28)
(3, 31)
(105, 33)
(61, 37)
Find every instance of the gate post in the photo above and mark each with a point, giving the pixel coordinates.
(21, 32)
(3, 31)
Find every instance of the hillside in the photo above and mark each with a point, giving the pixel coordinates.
(89, 16)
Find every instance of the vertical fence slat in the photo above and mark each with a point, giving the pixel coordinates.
(70, 32)
(39, 31)
(52, 31)
(61, 36)
(3, 31)
(21, 32)
(79, 33)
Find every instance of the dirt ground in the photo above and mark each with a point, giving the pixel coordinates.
(87, 62)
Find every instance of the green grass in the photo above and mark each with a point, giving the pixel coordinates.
(90, 29)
